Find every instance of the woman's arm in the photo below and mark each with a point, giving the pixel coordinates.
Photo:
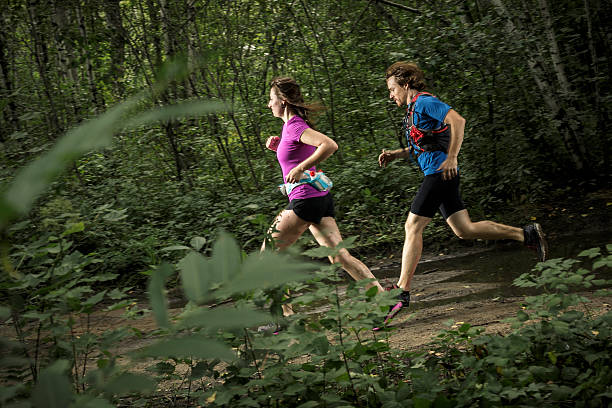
(325, 148)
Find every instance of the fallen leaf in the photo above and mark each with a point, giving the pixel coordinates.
(212, 398)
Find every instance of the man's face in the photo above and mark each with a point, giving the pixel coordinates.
(396, 92)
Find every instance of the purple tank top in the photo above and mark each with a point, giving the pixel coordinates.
(292, 152)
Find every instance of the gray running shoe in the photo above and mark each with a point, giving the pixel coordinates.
(270, 328)
(536, 240)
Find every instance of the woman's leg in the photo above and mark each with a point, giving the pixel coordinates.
(327, 234)
(464, 228)
(285, 230)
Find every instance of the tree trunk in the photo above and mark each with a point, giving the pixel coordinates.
(96, 98)
(41, 58)
(117, 44)
(547, 92)
(602, 114)
(10, 114)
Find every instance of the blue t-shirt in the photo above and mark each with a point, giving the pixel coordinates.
(429, 113)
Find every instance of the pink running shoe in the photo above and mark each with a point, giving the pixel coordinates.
(404, 302)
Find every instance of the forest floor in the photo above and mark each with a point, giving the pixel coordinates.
(447, 287)
(458, 287)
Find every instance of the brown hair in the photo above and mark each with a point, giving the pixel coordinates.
(407, 73)
(288, 89)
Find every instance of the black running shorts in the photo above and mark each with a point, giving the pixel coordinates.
(313, 209)
(435, 194)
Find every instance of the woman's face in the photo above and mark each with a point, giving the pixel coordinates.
(275, 104)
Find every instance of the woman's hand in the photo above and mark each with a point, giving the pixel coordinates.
(294, 175)
(385, 158)
(272, 143)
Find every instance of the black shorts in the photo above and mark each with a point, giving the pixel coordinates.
(435, 194)
(313, 209)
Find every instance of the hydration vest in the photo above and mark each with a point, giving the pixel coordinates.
(424, 140)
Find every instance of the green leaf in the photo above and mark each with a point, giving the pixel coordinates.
(185, 347)
(129, 383)
(309, 404)
(607, 262)
(76, 227)
(522, 316)
(53, 389)
(321, 345)
(115, 215)
(268, 269)
(88, 401)
(184, 109)
(197, 242)
(195, 276)
(591, 253)
(95, 299)
(5, 313)
(175, 248)
(224, 318)
(226, 257)
(347, 243)
(157, 295)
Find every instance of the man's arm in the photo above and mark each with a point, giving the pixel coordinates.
(457, 126)
(387, 156)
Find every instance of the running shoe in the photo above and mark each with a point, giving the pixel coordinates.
(270, 328)
(404, 302)
(536, 240)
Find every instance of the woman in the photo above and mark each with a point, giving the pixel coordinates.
(301, 148)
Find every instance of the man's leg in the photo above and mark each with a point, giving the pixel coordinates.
(531, 235)
(464, 228)
(413, 247)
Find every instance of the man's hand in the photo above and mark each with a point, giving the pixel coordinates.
(449, 168)
(295, 175)
(385, 158)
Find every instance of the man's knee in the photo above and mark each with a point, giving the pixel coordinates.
(412, 227)
(464, 232)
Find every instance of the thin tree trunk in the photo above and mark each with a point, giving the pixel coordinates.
(602, 114)
(117, 43)
(65, 54)
(96, 98)
(42, 61)
(547, 92)
(10, 114)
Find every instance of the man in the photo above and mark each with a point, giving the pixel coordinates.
(434, 132)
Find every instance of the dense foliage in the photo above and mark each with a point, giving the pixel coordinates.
(148, 119)
(531, 80)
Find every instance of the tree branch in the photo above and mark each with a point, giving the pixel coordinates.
(400, 6)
